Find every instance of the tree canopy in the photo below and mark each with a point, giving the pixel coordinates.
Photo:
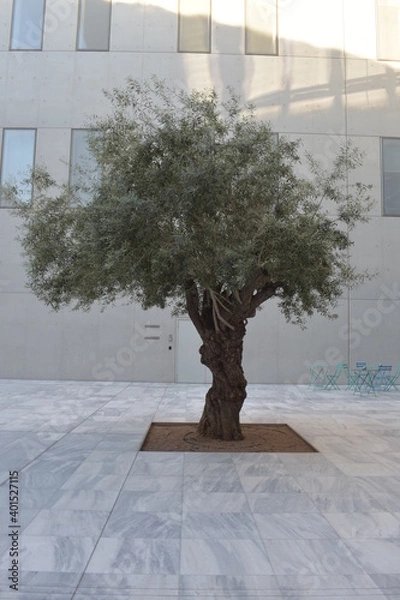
(200, 205)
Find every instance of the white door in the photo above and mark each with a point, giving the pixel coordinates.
(188, 366)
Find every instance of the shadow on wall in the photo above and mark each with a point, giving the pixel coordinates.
(303, 90)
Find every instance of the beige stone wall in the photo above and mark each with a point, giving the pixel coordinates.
(324, 86)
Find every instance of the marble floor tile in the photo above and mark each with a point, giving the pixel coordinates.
(86, 479)
(93, 426)
(215, 502)
(68, 523)
(377, 556)
(378, 485)
(309, 585)
(278, 484)
(44, 585)
(365, 525)
(28, 498)
(243, 596)
(144, 525)
(134, 585)
(4, 476)
(339, 486)
(204, 483)
(35, 595)
(24, 516)
(112, 467)
(129, 502)
(389, 583)
(140, 556)
(282, 526)
(224, 557)
(391, 458)
(4, 540)
(312, 557)
(212, 525)
(388, 502)
(337, 594)
(211, 470)
(82, 500)
(51, 553)
(358, 501)
(147, 483)
(137, 432)
(219, 526)
(7, 437)
(357, 469)
(56, 580)
(308, 464)
(118, 442)
(14, 461)
(24, 449)
(128, 595)
(267, 468)
(208, 458)
(48, 473)
(157, 464)
(230, 586)
(268, 503)
(74, 444)
(125, 459)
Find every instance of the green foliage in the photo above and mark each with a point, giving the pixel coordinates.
(199, 206)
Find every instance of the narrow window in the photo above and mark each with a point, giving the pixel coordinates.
(84, 169)
(391, 176)
(388, 29)
(27, 25)
(261, 27)
(17, 161)
(194, 26)
(94, 25)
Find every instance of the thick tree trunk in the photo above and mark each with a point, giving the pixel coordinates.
(222, 353)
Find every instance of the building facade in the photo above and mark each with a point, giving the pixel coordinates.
(325, 71)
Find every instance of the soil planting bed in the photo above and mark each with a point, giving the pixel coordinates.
(258, 437)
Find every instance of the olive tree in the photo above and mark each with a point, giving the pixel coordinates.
(200, 207)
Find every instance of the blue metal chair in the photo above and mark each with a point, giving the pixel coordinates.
(392, 381)
(332, 379)
(318, 375)
(363, 378)
(355, 376)
(382, 377)
(361, 365)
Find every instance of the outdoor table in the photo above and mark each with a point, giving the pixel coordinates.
(364, 379)
(318, 375)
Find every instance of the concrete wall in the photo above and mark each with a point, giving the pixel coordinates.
(326, 85)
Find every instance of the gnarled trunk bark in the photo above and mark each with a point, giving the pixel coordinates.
(222, 353)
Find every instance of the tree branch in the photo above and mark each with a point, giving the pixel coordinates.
(257, 281)
(192, 306)
(216, 312)
(262, 295)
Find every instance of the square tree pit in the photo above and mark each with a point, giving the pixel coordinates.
(258, 437)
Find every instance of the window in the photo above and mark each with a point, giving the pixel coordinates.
(84, 170)
(17, 161)
(94, 25)
(388, 29)
(391, 176)
(194, 26)
(27, 25)
(261, 27)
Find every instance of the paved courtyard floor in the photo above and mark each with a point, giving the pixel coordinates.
(100, 520)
